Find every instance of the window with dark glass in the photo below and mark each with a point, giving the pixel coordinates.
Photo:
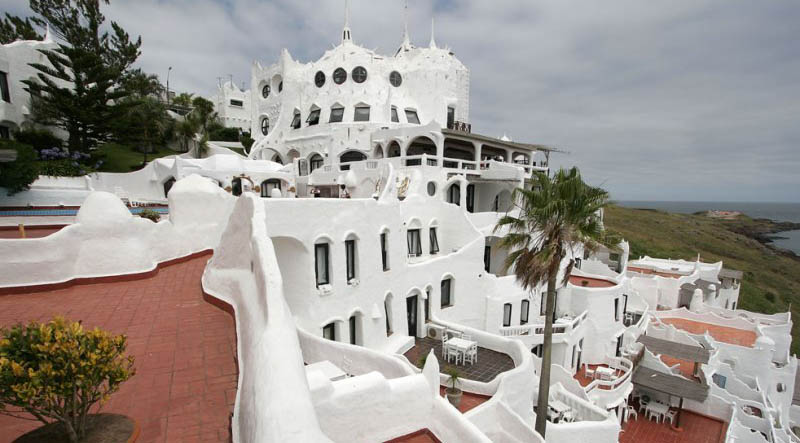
(395, 79)
(616, 309)
(268, 185)
(395, 118)
(384, 252)
(537, 350)
(265, 125)
(353, 334)
(387, 313)
(337, 114)
(411, 116)
(316, 162)
(238, 103)
(319, 79)
(265, 91)
(507, 314)
(321, 266)
(296, 120)
(446, 287)
(361, 114)
(454, 194)
(280, 86)
(5, 134)
(329, 332)
(433, 241)
(339, 76)
(350, 258)
(414, 244)
(4, 87)
(359, 74)
(451, 117)
(487, 258)
(524, 310)
(313, 117)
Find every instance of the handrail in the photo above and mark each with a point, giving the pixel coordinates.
(538, 328)
(624, 364)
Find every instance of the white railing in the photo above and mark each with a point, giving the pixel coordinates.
(538, 327)
(618, 363)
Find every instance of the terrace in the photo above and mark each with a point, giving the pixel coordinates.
(695, 429)
(723, 334)
(648, 271)
(590, 282)
(185, 349)
(488, 366)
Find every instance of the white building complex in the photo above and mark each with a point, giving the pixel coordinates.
(359, 237)
(233, 106)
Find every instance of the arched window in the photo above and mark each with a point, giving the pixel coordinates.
(507, 314)
(446, 298)
(525, 308)
(395, 79)
(339, 76)
(265, 125)
(359, 74)
(385, 250)
(168, 185)
(315, 162)
(329, 331)
(454, 194)
(355, 329)
(322, 265)
(352, 156)
(265, 91)
(351, 259)
(387, 312)
(268, 185)
(319, 79)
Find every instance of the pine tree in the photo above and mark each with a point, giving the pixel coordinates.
(14, 28)
(79, 90)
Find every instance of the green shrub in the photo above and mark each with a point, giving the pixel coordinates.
(18, 175)
(247, 142)
(38, 138)
(59, 370)
(222, 134)
(150, 215)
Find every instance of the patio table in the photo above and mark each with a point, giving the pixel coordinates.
(659, 408)
(604, 373)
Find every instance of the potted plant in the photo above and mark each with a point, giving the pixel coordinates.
(453, 392)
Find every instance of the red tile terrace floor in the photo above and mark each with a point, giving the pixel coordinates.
(652, 272)
(590, 282)
(696, 429)
(185, 350)
(468, 400)
(686, 367)
(421, 436)
(30, 231)
(724, 334)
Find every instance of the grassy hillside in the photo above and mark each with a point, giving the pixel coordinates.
(771, 280)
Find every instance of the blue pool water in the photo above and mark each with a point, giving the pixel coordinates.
(66, 211)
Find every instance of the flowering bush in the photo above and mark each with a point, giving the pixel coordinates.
(60, 162)
(58, 370)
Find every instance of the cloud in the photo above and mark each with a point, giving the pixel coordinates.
(679, 100)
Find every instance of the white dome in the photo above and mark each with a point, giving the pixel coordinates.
(101, 208)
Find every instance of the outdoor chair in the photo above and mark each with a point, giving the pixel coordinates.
(631, 411)
(466, 337)
(671, 416)
(643, 403)
(589, 372)
(453, 352)
(472, 354)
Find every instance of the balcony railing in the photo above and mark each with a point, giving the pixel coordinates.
(459, 126)
(537, 328)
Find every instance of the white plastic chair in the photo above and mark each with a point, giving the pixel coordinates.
(589, 372)
(471, 354)
(453, 352)
(630, 410)
(671, 416)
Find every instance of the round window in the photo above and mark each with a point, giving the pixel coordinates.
(359, 74)
(431, 188)
(265, 126)
(265, 91)
(339, 76)
(395, 79)
(319, 79)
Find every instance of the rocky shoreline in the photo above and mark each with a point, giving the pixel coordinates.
(763, 230)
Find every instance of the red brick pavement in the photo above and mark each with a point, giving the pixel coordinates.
(724, 334)
(185, 350)
(695, 429)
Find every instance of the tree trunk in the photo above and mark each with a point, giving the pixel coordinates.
(73, 436)
(547, 351)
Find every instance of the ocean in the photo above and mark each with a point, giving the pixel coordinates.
(773, 211)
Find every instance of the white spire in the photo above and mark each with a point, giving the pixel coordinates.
(406, 39)
(346, 37)
(433, 33)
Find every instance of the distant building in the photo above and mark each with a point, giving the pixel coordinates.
(233, 106)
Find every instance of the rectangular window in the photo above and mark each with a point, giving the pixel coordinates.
(296, 121)
(414, 244)
(525, 308)
(395, 118)
(321, 263)
(313, 118)
(350, 253)
(434, 241)
(238, 103)
(412, 117)
(4, 87)
(337, 114)
(446, 296)
(353, 330)
(384, 252)
(616, 309)
(578, 263)
(542, 307)
(572, 361)
(487, 257)
(619, 346)
(329, 332)
(507, 314)
(362, 114)
(451, 117)
(719, 380)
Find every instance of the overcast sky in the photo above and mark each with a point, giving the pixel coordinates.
(669, 100)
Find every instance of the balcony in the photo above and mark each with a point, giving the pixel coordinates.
(456, 125)
(562, 327)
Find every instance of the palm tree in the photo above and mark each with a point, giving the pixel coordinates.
(555, 217)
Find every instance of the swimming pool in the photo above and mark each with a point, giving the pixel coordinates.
(65, 211)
